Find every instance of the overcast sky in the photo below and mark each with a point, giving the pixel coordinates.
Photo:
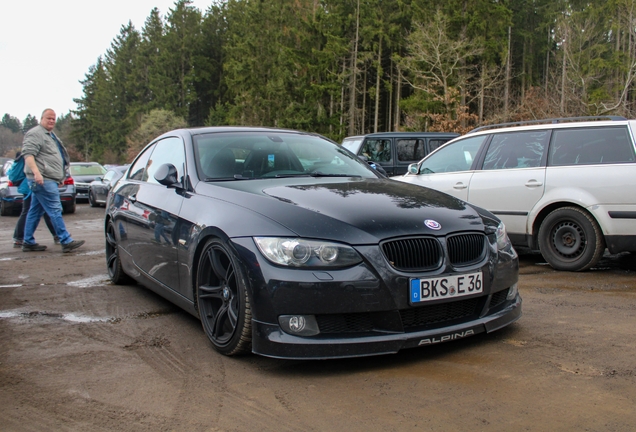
(47, 47)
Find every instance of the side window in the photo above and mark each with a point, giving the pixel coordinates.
(436, 143)
(516, 150)
(410, 150)
(378, 150)
(138, 170)
(457, 156)
(168, 150)
(587, 146)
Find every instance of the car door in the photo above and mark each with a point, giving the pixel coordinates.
(449, 169)
(379, 150)
(512, 177)
(153, 216)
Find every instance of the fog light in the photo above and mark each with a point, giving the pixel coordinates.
(512, 293)
(299, 325)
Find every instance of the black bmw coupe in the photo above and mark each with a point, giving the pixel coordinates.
(287, 245)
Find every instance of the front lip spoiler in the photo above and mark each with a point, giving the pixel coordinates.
(270, 341)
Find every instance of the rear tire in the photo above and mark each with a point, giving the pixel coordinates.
(69, 208)
(4, 210)
(113, 263)
(571, 240)
(222, 300)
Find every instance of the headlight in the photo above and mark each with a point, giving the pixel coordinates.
(502, 238)
(297, 252)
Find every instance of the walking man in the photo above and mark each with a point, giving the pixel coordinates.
(46, 162)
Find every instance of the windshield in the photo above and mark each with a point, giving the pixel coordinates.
(95, 170)
(246, 155)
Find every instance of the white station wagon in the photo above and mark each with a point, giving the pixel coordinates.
(563, 186)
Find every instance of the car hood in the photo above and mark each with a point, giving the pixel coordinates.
(355, 211)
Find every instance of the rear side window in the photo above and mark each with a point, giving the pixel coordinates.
(411, 150)
(378, 150)
(589, 146)
(516, 150)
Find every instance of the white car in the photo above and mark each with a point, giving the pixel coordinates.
(562, 186)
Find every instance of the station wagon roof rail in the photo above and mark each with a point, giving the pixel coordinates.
(548, 121)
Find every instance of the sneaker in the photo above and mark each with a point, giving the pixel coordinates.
(68, 247)
(56, 240)
(26, 247)
(17, 243)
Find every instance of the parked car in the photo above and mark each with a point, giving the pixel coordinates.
(98, 189)
(394, 151)
(83, 174)
(286, 245)
(11, 199)
(561, 186)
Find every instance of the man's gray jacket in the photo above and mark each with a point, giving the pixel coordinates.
(39, 143)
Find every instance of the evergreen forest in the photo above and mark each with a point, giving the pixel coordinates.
(350, 67)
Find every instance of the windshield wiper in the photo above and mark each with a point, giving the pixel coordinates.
(220, 179)
(322, 174)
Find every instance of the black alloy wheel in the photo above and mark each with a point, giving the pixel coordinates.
(222, 300)
(113, 263)
(570, 239)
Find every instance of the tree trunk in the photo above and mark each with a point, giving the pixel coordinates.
(354, 73)
(377, 87)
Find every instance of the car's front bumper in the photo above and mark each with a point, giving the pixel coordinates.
(269, 340)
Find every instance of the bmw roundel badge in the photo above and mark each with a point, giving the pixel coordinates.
(434, 225)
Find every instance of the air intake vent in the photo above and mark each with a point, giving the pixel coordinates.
(466, 249)
(414, 254)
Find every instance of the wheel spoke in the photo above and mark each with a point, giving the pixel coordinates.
(233, 312)
(217, 266)
(217, 326)
(110, 238)
(211, 292)
(111, 263)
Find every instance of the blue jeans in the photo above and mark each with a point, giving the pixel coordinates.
(45, 199)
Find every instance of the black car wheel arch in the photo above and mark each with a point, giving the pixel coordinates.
(222, 301)
(570, 239)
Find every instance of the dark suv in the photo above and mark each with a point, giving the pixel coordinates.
(394, 151)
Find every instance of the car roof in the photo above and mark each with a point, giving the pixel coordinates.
(412, 134)
(551, 123)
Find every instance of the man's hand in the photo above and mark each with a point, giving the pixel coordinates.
(37, 176)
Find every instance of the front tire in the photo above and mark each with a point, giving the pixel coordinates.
(91, 199)
(113, 263)
(571, 240)
(222, 301)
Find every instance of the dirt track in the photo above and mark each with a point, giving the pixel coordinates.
(80, 354)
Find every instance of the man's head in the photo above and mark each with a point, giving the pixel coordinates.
(48, 119)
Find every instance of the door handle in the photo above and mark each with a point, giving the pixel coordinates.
(132, 199)
(533, 183)
(460, 185)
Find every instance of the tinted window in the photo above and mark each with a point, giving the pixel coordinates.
(169, 150)
(516, 150)
(238, 156)
(588, 146)
(436, 143)
(456, 156)
(139, 168)
(411, 149)
(378, 150)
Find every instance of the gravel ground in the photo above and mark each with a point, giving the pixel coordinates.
(77, 354)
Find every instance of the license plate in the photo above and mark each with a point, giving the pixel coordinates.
(445, 287)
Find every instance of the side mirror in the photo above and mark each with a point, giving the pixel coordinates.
(413, 169)
(166, 175)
